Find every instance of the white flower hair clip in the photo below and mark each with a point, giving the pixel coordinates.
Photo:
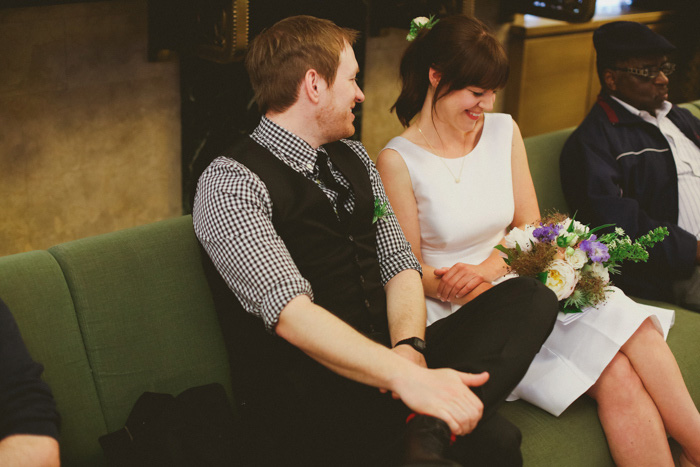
(418, 23)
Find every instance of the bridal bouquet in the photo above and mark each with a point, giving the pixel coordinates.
(571, 259)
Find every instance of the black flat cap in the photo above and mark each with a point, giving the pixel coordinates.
(629, 39)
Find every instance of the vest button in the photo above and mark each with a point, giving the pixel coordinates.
(351, 238)
(362, 279)
(367, 303)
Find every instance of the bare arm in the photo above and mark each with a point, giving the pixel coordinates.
(443, 393)
(406, 312)
(29, 451)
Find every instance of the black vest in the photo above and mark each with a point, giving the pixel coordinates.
(339, 260)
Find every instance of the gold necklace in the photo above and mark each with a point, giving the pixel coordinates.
(458, 178)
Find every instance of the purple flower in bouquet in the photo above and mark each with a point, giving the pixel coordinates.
(547, 233)
(596, 251)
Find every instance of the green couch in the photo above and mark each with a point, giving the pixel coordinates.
(118, 314)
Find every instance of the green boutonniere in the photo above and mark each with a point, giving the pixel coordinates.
(381, 210)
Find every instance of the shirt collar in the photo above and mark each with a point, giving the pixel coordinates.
(660, 113)
(284, 144)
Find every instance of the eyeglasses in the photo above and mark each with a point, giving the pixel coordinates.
(650, 72)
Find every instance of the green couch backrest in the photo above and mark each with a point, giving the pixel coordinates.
(694, 107)
(113, 316)
(33, 286)
(543, 156)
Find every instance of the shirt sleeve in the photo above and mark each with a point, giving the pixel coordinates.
(233, 221)
(26, 402)
(393, 250)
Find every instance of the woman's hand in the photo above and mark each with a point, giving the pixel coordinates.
(457, 281)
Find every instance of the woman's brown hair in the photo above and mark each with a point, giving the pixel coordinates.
(462, 50)
(280, 56)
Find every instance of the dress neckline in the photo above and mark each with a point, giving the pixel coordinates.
(476, 146)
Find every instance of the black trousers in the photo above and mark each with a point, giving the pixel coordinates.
(500, 331)
(324, 419)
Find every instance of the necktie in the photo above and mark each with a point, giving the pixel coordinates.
(325, 175)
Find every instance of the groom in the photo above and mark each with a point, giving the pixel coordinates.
(329, 312)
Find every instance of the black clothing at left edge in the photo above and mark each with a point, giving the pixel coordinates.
(298, 412)
(26, 403)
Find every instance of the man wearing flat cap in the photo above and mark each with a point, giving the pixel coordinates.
(635, 162)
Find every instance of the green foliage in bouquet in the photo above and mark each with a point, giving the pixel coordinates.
(621, 248)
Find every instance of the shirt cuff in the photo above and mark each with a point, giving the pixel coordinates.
(278, 297)
(392, 266)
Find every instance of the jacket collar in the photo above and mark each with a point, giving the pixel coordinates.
(615, 112)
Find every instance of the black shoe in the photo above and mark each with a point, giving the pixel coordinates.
(426, 441)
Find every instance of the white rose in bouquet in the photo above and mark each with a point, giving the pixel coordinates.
(579, 228)
(524, 238)
(561, 278)
(576, 258)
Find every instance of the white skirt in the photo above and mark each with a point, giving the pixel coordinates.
(581, 346)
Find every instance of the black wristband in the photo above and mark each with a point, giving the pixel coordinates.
(416, 342)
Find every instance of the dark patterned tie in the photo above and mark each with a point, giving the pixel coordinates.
(325, 175)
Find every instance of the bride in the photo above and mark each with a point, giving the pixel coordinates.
(457, 179)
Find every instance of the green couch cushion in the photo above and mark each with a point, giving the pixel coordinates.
(543, 156)
(34, 288)
(574, 439)
(146, 313)
(694, 107)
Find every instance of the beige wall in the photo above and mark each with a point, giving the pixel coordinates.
(89, 129)
(381, 87)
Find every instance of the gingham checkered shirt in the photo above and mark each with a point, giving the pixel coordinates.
(233, 221)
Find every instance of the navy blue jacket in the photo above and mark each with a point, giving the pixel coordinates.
(618, 169)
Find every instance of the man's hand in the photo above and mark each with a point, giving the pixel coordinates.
(697, 254)
(457, 281)
(444, 393)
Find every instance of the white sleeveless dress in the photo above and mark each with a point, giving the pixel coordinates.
(462, 222)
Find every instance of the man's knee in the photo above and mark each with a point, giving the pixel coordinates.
(536, 303)
(528, 290)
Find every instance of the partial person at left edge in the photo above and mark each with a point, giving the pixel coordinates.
(28, 417)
